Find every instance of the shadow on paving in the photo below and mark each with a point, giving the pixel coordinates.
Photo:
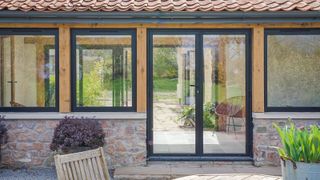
(28, 174)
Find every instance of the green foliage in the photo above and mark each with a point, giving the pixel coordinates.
(299, 145)
(50, 92)
(208, 116)
(165, 64)
(188, 115)
(165, 84)
(92, 86)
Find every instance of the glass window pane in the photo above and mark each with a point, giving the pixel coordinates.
(293, 71)
(224, 94)
(104, 71)
(173, 94)
(27, 71)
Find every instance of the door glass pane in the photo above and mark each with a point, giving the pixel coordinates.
(224, 94)
(104, 72)
(174, 94)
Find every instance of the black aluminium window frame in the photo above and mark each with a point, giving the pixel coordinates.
(199, 155)
(37, 31)
(97, 32)
(284, 31)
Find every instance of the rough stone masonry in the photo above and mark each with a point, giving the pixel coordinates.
(29, 142)
(266, 139)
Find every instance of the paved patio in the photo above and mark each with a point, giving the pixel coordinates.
(166, 171)
(199, 171)
(183, 141)
(231, 177)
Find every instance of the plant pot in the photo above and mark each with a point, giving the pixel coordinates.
(300, 170)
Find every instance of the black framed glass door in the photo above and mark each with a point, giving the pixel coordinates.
(199, 93)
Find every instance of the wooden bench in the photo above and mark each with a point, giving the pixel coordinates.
(86, 165)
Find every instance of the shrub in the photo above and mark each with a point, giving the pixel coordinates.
(3, 131)
(188, 116)
(72, 133)
(209, 118)
(299, 145)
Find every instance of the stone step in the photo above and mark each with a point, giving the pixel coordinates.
(164, 171)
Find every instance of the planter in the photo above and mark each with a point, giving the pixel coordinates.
(300, 170)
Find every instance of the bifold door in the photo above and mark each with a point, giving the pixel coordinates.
(199, 93)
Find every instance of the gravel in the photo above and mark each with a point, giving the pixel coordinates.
(28, 174)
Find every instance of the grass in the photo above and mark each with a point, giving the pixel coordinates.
(165, 85)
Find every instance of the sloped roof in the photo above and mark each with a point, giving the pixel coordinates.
(161, 5)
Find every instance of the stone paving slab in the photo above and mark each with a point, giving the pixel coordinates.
(186, 171)
(230, 177)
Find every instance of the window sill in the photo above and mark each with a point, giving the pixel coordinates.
(58, 116)
(286, 115)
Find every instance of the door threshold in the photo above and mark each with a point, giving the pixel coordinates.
(200, 158)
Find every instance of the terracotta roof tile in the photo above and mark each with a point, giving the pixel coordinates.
(160, 5)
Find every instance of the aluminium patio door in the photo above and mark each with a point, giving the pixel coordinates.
(198, 94)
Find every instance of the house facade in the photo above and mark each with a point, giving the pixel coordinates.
(198, 80)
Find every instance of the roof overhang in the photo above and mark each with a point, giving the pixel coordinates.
(7, 16)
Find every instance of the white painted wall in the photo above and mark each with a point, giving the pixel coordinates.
(25, 72)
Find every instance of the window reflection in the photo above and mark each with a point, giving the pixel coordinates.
(104, 71)
(27, 71)
(224, 91)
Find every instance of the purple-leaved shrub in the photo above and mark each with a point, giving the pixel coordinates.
(3, 131)
(72, 133)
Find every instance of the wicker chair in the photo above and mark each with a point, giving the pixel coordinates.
(232, 108)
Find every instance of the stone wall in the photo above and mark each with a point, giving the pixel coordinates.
(29, 142)
(265, 139)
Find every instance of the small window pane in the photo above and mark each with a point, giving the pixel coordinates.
(293, 71)
(104, 71)
(27, 71)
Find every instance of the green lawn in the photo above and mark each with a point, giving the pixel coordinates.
(165, 85)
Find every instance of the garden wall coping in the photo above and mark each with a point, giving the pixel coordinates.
(58, 116)
(286, 115)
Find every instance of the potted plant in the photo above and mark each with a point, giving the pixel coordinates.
(77, 134)
(3, 134)
(300, 152)
(188, 116)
